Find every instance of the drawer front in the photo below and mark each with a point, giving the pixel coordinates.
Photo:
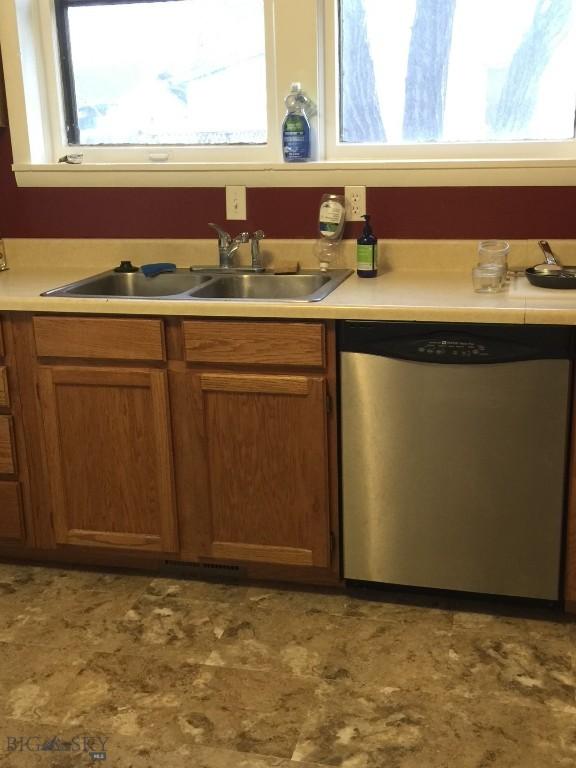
(4, 396)
(229, 342)
(11, 524)
(2, 349)
(7, 458)
(99, 338)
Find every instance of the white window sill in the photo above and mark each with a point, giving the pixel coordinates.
(429, 173)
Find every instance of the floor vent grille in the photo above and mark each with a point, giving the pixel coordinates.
(202, 570)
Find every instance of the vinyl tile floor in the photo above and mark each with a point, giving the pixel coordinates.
(154, 672)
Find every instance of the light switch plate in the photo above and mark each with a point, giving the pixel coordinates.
(236, 203)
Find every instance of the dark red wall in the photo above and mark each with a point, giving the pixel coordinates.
(399, 212)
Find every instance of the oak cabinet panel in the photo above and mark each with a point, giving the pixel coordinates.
(7, 457)
(254, 343)
(264, 440)
(4, 393)
(109, 456)
(100, 338)
(11, 521)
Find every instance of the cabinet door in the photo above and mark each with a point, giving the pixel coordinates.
(108, 452)
(11, 522)
(266, 491)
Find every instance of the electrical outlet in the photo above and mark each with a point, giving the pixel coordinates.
(355, 203)
(236, 203)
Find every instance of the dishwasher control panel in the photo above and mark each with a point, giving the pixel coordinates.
(456, 348)
(451, 348)
(455, 344)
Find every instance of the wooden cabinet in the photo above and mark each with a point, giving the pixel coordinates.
(4, 390)
(265, 440)
(258, 441)
(12, 528)
(107, 434)
(109, 456)
(201, 441)
(7, 456)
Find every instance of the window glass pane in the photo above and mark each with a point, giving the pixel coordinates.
(176, 72)
(457, 70)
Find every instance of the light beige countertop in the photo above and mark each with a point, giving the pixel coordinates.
(436, 286)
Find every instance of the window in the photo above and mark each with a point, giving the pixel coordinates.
(189, 72)
(425, 71)
(191, 92)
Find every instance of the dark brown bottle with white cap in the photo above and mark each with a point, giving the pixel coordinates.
(367, 251)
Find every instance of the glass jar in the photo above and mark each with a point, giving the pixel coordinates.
(489, 278)
(493, 252)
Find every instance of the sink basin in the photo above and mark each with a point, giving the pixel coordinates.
(304, 286)
(133, 285)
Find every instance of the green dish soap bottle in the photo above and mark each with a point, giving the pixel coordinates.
(366, 251)
(296, 139)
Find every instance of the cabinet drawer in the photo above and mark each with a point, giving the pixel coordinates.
(286, 344)
(4, 396)
(7, 460)
(11, 526)
(2, 350)
(99, 338)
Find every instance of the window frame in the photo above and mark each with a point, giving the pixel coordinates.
(59, 70)
(530, 153)
(307, 27)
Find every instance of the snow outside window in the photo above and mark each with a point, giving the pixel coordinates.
(164, 72)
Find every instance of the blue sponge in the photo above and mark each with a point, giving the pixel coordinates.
(151, 270)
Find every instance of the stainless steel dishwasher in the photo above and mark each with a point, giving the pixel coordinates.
(454, 442)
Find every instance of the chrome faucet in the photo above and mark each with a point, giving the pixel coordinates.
(227, 246)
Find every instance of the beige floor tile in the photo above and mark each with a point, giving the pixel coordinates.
(163, 702)
(34, 746)
(400, 729)
(390, 654)
(280, 642)
(178, 623)
(180, 672)
(299, 600)
(359, 603)
(525, 670)
(79, 619)
(538, 624)
(168, 589)
(33, 682)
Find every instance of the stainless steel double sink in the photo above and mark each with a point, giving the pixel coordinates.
(304, 286)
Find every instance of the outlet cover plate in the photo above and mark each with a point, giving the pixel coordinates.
(236, 203)
(355, 203)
